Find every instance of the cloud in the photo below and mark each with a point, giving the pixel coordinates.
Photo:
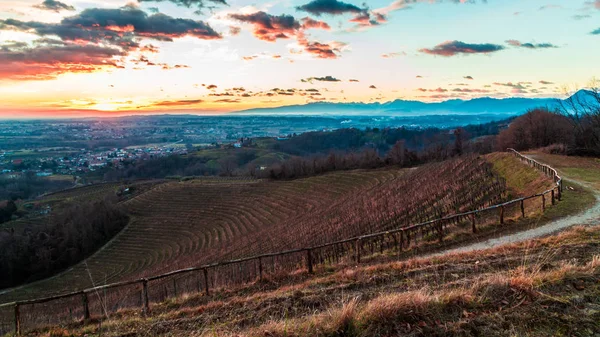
(308, 23)
(269, 27)
(20, 61)
(551, 6)
(419, 76)
(367, 19)
(393, 55)
(452, 48)
(211, 86)
(115, 26)
(261, 56)
(596, 32)
(200, 4)
(468, 77)
(581, 17)
(54, 6)
(439, 90)
(465, 90)
(546, 82)
(327, 78)
(320, 50)
(516, 43)
(228, 100)
(511, 85)
(331, 7)
(233, 30)
(353, 80)
(178, 103)
(372, 87)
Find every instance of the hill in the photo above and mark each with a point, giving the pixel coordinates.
(170, 230)
(484, 105)
(182, 223)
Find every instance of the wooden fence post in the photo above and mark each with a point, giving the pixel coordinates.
(357, 250)
(309, 263)
(543, 202)
(260, 269)
(146, 304)
(17, 320)
(559, 193)
(502, 215)
(553, 197)
(86, 305)
(523, 208)
(205, 271)
(473, 223)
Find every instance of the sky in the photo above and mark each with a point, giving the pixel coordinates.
(77, 58)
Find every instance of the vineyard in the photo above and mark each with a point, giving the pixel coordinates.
(182, 224)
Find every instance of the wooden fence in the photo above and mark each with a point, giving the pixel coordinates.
(142, 292)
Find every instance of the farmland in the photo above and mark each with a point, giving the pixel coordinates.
(183, 223)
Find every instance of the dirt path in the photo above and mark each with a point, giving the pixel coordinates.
(590, 216)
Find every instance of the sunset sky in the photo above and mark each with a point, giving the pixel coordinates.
(113, 57)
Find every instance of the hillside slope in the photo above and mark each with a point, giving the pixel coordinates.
(184, 223)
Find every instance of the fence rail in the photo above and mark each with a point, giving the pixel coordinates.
(249, 269)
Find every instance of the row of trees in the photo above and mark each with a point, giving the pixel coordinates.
(367, 158)
(37, 250)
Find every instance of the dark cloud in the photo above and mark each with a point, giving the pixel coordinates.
(546, 82)
(269, 27)
(211, 86)
(96, 36)
(200, 4)
(42, 62)
(228, 100)
(233, 30)
(372, 87)
(452, 48)
(353, 80)
(320, 79)
(468, 77)
(308, 23)
(368, 19)
(115, 26)
(439, 90)
(179, 103)
(319, 49)
(518, 86)
(516, 43)
(54, 6)
(596, 32)
(332, 7)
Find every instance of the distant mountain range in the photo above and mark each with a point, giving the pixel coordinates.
(484, 105)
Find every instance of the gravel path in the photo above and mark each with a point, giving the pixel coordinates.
(590, 216)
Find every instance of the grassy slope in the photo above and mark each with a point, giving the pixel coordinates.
(543, 287)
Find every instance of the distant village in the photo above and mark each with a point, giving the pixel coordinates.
(81, 162)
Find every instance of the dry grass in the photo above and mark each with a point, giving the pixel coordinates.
(523, 286)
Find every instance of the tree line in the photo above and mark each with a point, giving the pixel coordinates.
(32, 251)
(573, 127)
